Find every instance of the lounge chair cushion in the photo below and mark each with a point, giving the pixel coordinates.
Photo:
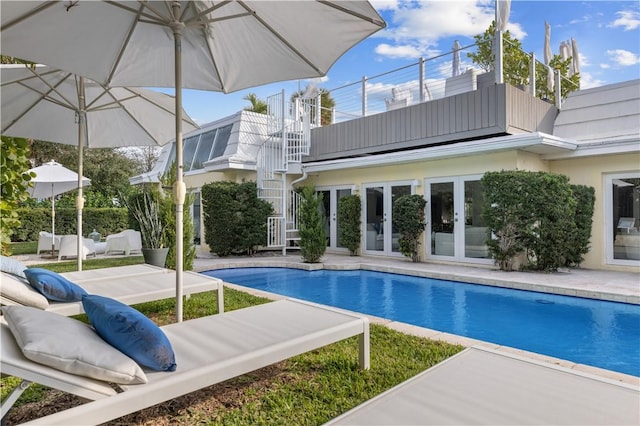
(69, 345)
(12, 266)
(131, 332)
(54, 286)
(19, 291)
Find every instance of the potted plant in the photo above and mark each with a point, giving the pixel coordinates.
(145, 208)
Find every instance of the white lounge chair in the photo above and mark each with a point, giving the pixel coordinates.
(127, 242)
(129, 284)
(484, 386)
(208, 350)
(69, 247)
(46, 242)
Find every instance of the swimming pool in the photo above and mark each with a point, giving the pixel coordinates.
(593, 332)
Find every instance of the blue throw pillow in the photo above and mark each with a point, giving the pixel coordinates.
(54, 286)
(131, 332)
(12, 266)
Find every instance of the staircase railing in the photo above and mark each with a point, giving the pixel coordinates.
(289, 128)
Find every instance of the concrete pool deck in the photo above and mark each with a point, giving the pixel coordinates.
(596, 284)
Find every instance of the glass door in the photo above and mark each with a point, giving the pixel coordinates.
(331, 197)
(380, 235)
(456, 230)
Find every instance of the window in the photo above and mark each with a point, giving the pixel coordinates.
(622, 218)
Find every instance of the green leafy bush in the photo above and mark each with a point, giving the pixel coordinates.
(585, 201)
(349, 233)
(235, 219)
(533, 213)
(409, 220)
(313, 239)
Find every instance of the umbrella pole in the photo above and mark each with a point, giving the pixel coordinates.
(80, 199)
(179, 189)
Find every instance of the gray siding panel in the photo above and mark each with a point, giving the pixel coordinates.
(491, 110)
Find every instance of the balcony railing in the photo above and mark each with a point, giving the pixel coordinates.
(435, 78)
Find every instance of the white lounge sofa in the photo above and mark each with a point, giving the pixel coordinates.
(126, 242)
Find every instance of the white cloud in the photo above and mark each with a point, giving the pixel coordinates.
(629, 20)
(415, 28)
(588, 81)
(605, 66)
(623, 57)
(398, 51)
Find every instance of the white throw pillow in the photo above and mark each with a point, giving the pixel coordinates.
(20, 292)
(69, 345)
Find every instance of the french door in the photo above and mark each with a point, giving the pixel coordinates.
(380, 237)
(455, 229)
(331, 197)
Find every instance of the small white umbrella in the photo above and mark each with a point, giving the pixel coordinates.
(53, 179)
(44, 103)
(455, 65)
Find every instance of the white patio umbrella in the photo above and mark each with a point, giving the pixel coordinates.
(455, 65)
(227, 45)
(548, 55)
(43, 103)
(54, 179)
(575, 63)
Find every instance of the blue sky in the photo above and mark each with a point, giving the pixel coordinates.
(607, 34)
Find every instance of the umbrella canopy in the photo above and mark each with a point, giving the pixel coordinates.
(455, 65)
(228, 46)
(43, 103)
(54, 179)
(575, 63)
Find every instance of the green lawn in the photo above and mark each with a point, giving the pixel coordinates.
(309, 389)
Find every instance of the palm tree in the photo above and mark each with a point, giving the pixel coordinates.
(327, 103)
(257, 104)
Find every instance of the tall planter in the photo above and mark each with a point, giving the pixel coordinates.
(155, 256)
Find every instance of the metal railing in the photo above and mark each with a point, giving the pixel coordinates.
(437, 77)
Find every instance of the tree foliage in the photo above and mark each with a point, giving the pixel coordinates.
(516, 64)
(257, 104)
(409, 220)
(349, 233)
(14, 181)
(313, 238)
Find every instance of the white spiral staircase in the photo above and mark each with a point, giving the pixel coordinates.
(281, 154)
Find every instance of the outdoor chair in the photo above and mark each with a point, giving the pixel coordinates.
(126, 242)
(46, 241)
(69, 247)
(208, 350)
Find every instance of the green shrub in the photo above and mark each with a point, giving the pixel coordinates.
(533, 213)
(313, 238)
(235, 219)
(104, 220)
(349, 233)
(585, 201)
(409, 221)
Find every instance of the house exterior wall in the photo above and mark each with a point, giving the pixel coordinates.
(591, 171)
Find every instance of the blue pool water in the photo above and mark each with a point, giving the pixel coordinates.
(599, 333)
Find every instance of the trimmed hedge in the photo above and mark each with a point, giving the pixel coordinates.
(104, 220)
(349, 232)
(235, 219)
(313, 238)
(539, 214)
(409, 220)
